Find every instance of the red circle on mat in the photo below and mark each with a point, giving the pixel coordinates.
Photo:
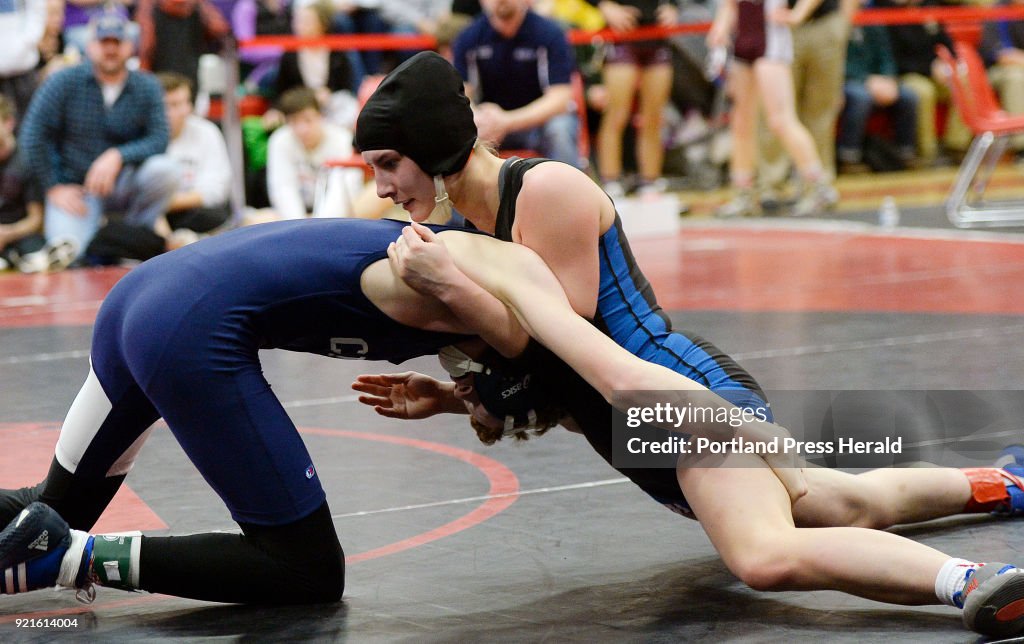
(36, 442)
(503, 492)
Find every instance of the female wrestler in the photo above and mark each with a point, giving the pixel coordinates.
(550, 207)
(830, 538)
(179, 337)
(762, 53)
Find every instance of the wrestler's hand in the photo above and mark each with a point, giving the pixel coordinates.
(408, 395)
(790, 474)
(788, 465)
(422, 261)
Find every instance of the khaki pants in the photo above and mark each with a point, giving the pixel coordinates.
(819, 66)
(1008, 81)
(929, 94)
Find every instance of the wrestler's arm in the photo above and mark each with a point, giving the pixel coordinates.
(518, 277)
(477, 313)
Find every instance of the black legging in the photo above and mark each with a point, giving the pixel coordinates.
(297, 563)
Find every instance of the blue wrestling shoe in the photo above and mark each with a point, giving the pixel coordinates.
(993, 600)
(1011, 455)
(34, 553)
(1011, 460)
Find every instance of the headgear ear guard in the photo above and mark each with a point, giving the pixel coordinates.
(421, 110)
(506, 389)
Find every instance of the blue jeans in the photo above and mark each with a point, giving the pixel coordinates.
(557, 139)
(858, 109)
(141, 195)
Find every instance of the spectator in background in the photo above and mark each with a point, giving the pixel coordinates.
(21, 203)
(759, 75)
(361, 17)
(871, 84)
(518, 66)
(94, 138)
(200, 203)
(173, 34)
(469, 8)
(819, 59)
(414, 17)
(51, 45)
(22, 23)
(913, 47)
(1002, 47)
(251, 18)
(327, 72)
(78, 15)
(297, 151)
(447, 31)
(627, 65)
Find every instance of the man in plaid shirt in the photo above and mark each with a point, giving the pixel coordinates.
(94, 137)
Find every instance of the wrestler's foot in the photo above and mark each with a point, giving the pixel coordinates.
(1011, 460)
(39, 550)
(1011, 455)
(993, 600)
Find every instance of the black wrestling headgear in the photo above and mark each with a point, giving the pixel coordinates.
(420, 110)
(508, 389)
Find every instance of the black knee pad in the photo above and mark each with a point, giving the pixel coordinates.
(309, 551)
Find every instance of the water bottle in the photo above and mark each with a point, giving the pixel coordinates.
(888, 213)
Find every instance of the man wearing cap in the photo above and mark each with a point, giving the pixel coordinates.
(94, 137)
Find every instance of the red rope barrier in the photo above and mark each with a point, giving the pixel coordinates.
(905, 16)
(918, 15)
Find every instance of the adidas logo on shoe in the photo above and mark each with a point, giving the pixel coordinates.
(42, 542)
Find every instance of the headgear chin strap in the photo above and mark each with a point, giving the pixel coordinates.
(457, 363)
(503, 388)
(442, 202)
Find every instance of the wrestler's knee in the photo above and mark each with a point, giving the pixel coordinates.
(327, 576)
(766, 563)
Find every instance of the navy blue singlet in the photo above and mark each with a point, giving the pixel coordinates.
(178, 338)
